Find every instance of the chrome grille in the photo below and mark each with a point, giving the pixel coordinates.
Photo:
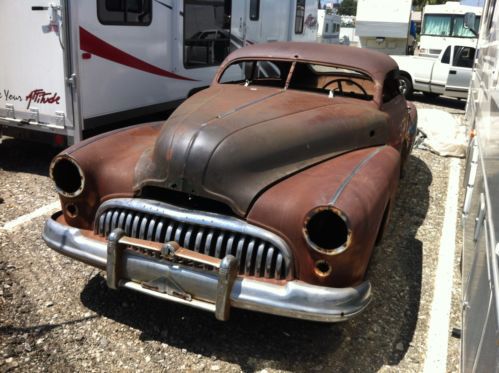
(260, 253)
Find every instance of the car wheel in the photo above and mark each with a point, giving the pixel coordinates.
(405, 86)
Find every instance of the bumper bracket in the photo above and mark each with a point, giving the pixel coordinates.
(118, 243)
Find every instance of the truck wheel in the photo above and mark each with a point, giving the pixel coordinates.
(405, 86)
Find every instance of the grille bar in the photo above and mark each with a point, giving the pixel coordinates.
(260, 253)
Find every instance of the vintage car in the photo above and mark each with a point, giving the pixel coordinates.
(267, 191)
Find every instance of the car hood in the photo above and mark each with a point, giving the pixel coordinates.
(230, 143)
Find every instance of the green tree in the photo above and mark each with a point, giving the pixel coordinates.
(348, 8)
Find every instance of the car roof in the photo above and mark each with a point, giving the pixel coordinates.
(375, 64)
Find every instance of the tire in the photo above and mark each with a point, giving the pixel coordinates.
(405, 86)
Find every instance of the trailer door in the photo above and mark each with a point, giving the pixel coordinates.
(33, 91)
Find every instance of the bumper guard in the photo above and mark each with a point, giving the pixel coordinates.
(216, 290)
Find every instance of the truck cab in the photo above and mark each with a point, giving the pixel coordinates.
(449, 74)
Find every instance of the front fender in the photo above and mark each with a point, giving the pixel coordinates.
(108, 163)
(359, 183)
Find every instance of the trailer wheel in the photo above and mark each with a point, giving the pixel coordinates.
(405, 86)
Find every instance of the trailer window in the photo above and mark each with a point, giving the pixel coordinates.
(437, 25)
(447, 25)
(254, 10)
(300, 16)
(459, 30)
(207, 38)
(124, 12)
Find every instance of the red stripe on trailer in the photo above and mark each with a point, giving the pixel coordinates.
(92, 44)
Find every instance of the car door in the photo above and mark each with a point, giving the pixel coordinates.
(458, 80)
(440, 72)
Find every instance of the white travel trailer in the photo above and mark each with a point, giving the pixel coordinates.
(443, 25)
(259, 21)
(480, 255)
(328, 27)
(71, 66)
(384, 25)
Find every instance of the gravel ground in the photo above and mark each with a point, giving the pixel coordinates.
(58, 315)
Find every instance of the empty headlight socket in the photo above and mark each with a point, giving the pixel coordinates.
(327, 231)
(67, 176)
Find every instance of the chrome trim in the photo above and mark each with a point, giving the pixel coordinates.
(180, 220)
(294, 298)
(354, 172)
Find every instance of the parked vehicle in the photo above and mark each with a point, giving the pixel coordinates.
(443, 25)
(479, 263)
(266, 191)
(448, 75)
(384, 25)
(99, 62)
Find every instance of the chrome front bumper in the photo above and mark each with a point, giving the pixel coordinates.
(293, 299)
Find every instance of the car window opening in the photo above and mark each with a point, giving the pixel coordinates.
(302, 76)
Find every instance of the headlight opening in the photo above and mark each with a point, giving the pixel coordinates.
(67, 176)
(327, 230)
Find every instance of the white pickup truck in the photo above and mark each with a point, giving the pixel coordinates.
(449, 74)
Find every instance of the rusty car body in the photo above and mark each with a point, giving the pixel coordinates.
(267, 191)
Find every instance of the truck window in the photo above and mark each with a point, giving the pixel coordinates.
(300, 16)
(206, 33)
(254, 10)
(124, 12)
(446, 56)
(463, 56)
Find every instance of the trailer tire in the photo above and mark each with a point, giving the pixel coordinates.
(405, 86)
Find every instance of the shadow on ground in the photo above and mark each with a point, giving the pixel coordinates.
(20, 155)
(381, 335)
(26, 156)
(448, 102)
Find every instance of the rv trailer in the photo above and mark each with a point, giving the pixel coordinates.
(443, 25)
(70, 67)
(384, 25)
(479, 260)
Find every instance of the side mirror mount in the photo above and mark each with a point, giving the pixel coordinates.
(469, 22)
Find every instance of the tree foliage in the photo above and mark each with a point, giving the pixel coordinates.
(419, 4)
(348, 8)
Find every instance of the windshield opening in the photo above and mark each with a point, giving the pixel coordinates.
(330, 80)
